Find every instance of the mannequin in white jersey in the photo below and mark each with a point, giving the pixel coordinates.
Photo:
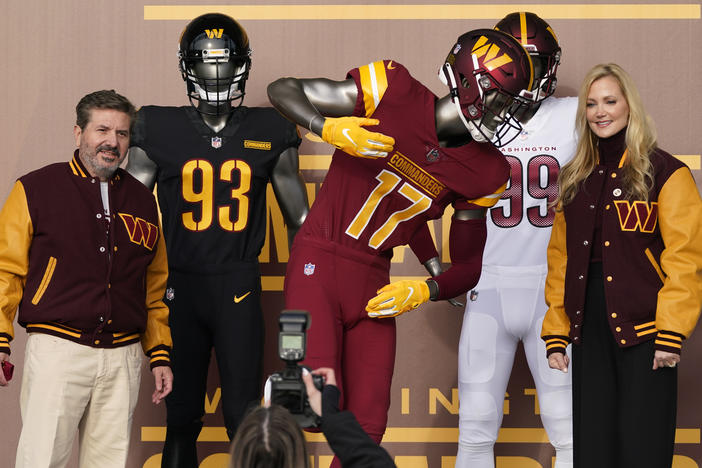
(507, 305)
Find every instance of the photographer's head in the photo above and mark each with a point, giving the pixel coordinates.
(269, 437)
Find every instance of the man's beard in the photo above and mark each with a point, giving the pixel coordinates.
(92, 159)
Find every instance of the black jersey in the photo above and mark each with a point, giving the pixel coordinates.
(212, 186)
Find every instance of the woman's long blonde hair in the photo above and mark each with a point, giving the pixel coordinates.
(640, 141)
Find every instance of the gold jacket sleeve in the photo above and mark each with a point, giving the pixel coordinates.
(680, 221)
(156, 340)
(16, 232)
(556, 322)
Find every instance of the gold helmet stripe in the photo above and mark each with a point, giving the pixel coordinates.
(523, 28)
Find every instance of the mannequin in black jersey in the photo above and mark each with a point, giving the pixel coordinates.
(214, 86)
(212, 162)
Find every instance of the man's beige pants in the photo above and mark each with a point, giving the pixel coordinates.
(67, 387)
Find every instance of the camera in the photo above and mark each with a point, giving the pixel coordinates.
(287, 388)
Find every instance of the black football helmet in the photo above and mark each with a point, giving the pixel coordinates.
(490, 76)
(214, 59)
(540, 41)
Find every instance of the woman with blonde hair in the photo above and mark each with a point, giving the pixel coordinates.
(624, 281)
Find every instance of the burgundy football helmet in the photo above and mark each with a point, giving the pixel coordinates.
(540, 41)
(490, 77)
(214, 59)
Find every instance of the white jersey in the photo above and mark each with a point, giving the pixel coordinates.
(507, 305)
(519, 225)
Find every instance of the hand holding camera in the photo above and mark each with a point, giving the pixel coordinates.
(287, 386)
(314, 394)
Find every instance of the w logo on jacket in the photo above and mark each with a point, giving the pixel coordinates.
(140, 231)
(638, 215)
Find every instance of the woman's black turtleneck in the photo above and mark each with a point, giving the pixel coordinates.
(612, 148)
(611, 151)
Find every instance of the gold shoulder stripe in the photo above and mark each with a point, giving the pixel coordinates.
(374, 83)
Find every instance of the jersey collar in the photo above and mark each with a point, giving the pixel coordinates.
(230, 129)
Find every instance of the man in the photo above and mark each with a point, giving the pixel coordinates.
(82, 254)
(507, 305)
(381, 188)
(213, 161)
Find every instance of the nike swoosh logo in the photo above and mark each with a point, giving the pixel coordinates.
(390, 67)
(238, 299)
(345, 132)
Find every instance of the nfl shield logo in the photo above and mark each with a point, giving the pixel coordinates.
(216, 142)
(170, 294)
(309, 269)
(433, 155)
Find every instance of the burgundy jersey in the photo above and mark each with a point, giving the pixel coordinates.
(377, 204)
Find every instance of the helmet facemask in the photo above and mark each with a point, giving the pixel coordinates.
(217, 80)
(545, 68)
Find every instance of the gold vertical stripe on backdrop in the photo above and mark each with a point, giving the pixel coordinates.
(412, 435)
(424, 12)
